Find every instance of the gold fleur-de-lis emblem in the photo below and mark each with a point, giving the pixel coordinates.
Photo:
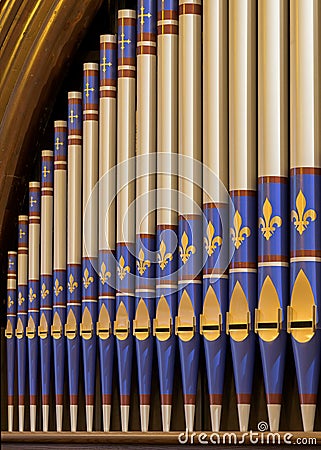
(142, 264)
(72, 284)
(238, 233)
(86, 279)
(57, 288)
(44, 291)
(300, 216)
(122, 269)
(32, 296)
(103, 274)
(267, 223)
(162, 257)
(10, 302)
(185, 250)
(21, 299)
(211, 242)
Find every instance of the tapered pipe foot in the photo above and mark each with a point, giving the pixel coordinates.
(59, 412)
(21, 410)
(274, 412)
(45, 417)
(189, 417)
(124, 413)
(89, 417)
(73, 418)
(244, 416)
(144, 417)
(10, 418)
(106, 417)
(308, 415)
(216, 417)
(166, 417)
(33, 415)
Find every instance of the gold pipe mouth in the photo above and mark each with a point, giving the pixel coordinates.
(268, 330)
(30, 333)
(86, 333)
(141, 332)
(162, 331)
(19, 334)
(43, 334)
(121, 333)
(103, 331)
(56, 333)
(185, 331)
(210, 330)
(70, 331)
(302, 329)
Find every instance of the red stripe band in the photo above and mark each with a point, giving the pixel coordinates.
(242, 193)
(214, 205)
(167, 15)
(190, 8)
(273, 258)
(126, 61)
(146, 50)
(75, 101)
(75, 131)
(167, 29)
(126, 73)
(91, 73)
(243, 399)
(123, 21)
(305, 253)
(146, 37)
(281, 180)
(91, 117)
(75, 141)
(305, 171)
(91, 107)
(108, 46)
(242, 265)
(108, 94)
(108, 82)
(60, 166)
(215, 271)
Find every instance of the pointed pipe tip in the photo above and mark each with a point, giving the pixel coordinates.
(59, 412)
(274, 412)
(124, 413)
(106, 417)
(308, 416)
(45, 418)
(216, 417)
(33, 415)
(21, 409)
(10, 418)
(89, 417)
(189, 417)
(244, 416)
(73, 418)
(166, 417)
(144, 417)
